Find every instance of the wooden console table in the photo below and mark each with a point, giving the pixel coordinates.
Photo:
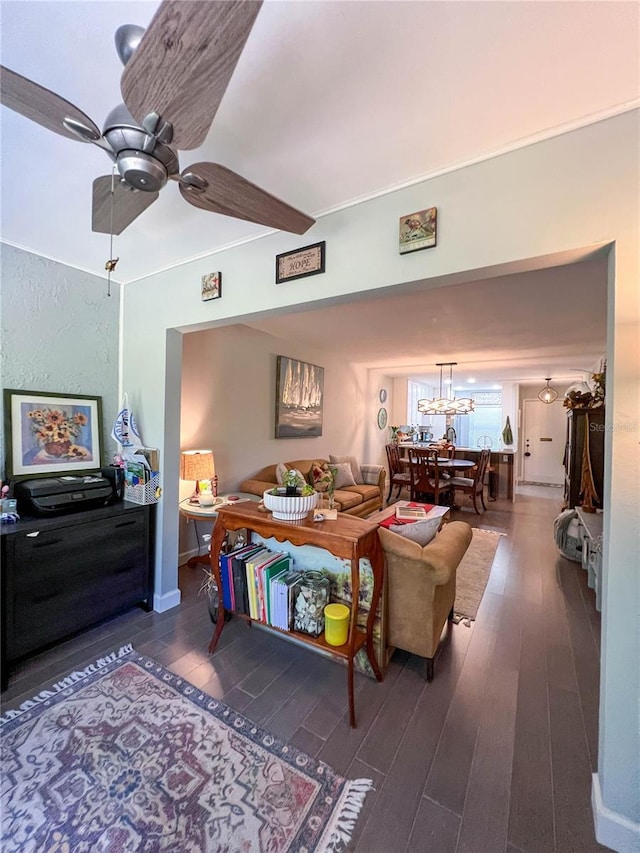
(347, 537)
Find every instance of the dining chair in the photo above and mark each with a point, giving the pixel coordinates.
(426, 478)
(397, 476)
(474, 486)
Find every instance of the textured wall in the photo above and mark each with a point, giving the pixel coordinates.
(60, 332)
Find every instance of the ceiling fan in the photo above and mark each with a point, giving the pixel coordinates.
(176, 73)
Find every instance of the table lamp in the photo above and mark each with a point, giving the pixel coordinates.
(197, 465)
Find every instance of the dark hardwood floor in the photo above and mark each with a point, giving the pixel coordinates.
(495, 754)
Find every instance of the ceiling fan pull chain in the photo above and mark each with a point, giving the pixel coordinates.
(111, 263)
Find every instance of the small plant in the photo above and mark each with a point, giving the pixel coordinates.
(291, 479)
(209, 585)
(294, 484)
(332, 486)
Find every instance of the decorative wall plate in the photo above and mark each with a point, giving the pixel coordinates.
(383, 395)
(382, 418)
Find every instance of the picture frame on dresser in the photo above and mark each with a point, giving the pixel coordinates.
(51, 433)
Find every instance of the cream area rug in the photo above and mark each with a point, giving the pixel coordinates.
(473, 574)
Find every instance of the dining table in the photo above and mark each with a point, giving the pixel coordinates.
(446, 464)
(454, 464)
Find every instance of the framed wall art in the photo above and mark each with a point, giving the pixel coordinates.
(211, 286)
(49, 434)
(418, 230)
(299, 398)
(309, 260)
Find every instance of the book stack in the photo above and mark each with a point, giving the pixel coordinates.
(260, 584)
(410, 513)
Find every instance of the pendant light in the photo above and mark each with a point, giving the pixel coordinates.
(548, 394)
(446, 405)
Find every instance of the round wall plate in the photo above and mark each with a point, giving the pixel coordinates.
(383, 395)
(382, 418)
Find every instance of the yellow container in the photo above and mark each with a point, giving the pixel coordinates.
(336, 624)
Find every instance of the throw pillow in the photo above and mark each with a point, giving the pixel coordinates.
(344, 477)
(353, 464)
(321, 477)
(281, 468)
(421, 532)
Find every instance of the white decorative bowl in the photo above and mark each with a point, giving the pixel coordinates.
(290, 508)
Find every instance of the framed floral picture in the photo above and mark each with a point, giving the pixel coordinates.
(51, 434)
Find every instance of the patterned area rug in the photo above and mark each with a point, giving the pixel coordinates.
(126, 756)
(473, 574)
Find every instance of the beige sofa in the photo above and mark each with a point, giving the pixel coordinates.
(357, 500)
(421, 587)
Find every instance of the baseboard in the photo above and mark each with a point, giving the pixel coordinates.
(186, 555)
(166, 601)
(612, 829)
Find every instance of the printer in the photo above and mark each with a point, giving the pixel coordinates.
(52, 495)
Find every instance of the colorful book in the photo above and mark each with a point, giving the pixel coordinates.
(264, 570)
(252, 581)
(410, 513)
(241, 593)
(287, 587)
(227, 583)
(274, 591)
(277, 565)
(226, 575)
(258, 571)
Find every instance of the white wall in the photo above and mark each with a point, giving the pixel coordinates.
(513, 212)
(60, 333)
(228, 404)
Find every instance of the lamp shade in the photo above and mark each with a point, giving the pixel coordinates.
(197, 465)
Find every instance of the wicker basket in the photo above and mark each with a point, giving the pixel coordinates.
(144, 493)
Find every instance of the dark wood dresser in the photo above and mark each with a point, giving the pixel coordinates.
(62, 574)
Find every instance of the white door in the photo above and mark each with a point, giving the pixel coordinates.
(545, 430)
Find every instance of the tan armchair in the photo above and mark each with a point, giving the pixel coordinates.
(421, 587)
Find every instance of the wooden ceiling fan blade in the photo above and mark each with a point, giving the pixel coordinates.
(184, 62)
(44, 107)
(127, 205)
(232, 195)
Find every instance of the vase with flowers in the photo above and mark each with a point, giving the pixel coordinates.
(57, 432)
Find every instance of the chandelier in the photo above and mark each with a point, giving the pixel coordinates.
(548, 394)
(446, 405)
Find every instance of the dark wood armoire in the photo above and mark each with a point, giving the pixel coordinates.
(583, 425)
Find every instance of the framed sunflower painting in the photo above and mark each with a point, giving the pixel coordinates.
(51, 434)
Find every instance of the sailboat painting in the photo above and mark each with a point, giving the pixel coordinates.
(299, 398)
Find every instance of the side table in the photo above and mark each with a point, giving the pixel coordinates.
(202, 513)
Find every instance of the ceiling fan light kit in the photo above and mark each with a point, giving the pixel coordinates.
(175, 76)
